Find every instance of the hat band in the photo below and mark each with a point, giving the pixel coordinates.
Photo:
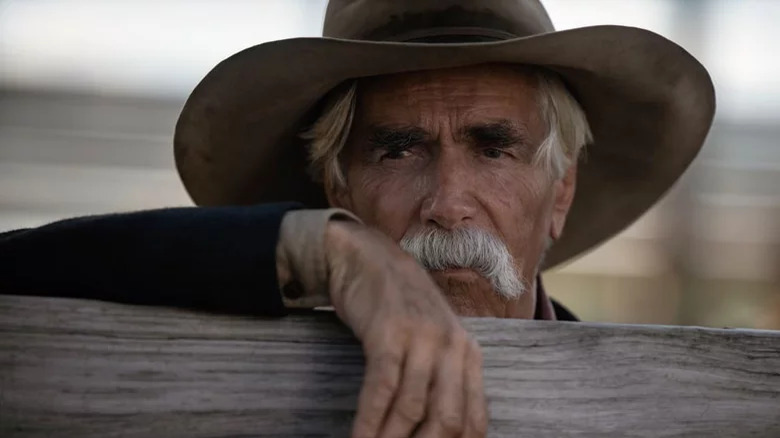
(459, 34)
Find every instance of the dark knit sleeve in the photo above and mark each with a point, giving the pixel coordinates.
(210, 258)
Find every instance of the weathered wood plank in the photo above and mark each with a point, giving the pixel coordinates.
(91, 369)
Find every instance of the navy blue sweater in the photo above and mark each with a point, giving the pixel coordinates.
(215, 258)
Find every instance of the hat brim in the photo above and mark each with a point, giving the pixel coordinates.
(649, 103)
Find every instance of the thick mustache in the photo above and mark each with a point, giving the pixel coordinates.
(437, 249)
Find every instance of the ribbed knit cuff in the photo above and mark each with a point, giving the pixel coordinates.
(301, 262)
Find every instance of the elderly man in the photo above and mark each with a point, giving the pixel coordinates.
(447, 137)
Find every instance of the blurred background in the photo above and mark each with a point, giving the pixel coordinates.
(90, 91)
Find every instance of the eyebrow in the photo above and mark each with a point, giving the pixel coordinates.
(395, 137)
(501, 133)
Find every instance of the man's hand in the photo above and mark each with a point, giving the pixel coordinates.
(423, 373)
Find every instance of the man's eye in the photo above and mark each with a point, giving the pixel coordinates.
(395, 154)
(492, 152)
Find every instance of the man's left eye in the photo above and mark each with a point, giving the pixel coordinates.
(492, 152)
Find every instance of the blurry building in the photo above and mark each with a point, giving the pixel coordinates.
(90, 91)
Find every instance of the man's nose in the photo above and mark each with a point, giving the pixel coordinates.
(451, 201)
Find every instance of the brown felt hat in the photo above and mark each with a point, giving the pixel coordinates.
(649, 102)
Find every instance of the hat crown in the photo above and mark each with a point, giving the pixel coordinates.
(435, 20)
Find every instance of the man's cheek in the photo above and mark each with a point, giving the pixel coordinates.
(387, 204)
(528, 194)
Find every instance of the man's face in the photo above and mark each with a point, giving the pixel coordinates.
(454, 149)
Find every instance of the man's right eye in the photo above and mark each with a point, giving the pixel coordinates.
(395, 154)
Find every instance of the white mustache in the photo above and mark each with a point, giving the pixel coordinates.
(472, 248)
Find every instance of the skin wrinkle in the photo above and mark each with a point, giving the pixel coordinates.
(500, 134)
(447, 182)
(566, 128)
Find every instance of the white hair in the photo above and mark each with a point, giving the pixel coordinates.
(567, 129)
(438, 249)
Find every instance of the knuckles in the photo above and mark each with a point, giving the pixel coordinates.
(451, 422)
(459, 338)
(412, 409)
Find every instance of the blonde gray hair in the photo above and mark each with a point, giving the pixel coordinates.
(567, 126)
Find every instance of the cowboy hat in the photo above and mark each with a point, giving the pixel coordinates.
(649, 102)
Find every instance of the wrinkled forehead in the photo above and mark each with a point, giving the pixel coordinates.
(490, 91)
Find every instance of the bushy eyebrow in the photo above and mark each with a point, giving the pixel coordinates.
(395, 137)
(501, 134)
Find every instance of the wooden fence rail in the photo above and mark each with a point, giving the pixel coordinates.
(79, 368)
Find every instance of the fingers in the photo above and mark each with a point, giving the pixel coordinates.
(476, 415)
(447, 405)
(424, 383)
(380, 383)
(410, 403)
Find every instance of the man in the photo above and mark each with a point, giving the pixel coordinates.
(451, 129)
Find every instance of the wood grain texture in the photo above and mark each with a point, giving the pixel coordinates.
(78, 368)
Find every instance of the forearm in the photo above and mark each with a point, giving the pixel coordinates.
(221, 258)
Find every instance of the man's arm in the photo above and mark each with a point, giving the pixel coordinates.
(423, 370)
(215, 258)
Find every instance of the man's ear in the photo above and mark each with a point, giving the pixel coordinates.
(564, 196)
